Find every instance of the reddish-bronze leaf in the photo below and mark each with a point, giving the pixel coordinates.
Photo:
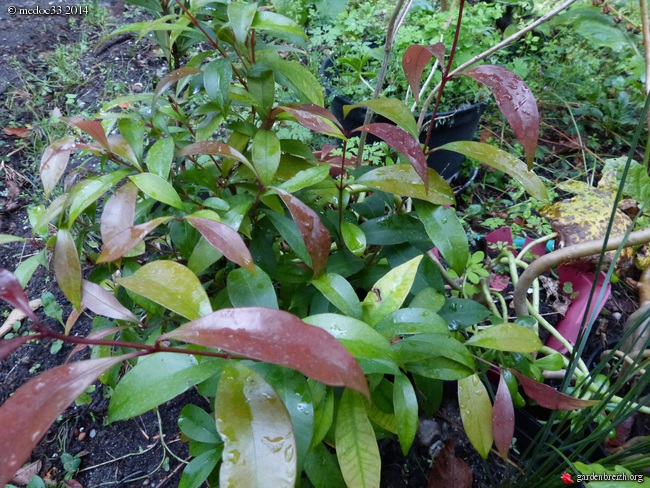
(54, 161)
(104, 303)
(404, 143)
(214, 148)
(20, 132)
(67, 267)
(316, 237)
(119, 211)
(12, 293)
(121, 243)
(276, 337)
(414, 61)
(172, 78)
(549, 397)
(450, 470)
(29, 412)
(315, 118)
(516, 102)
(226, 240)
(8, 346)
(95, 130)
(503, 419)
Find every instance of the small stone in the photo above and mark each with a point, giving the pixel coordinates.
(82, 436)
(93, 433)
(617, 316)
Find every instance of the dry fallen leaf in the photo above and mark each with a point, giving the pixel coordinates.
(16, 131)
(26, 473)
(449, 470)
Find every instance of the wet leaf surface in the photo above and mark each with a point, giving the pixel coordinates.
(415, 59)
(503, 419)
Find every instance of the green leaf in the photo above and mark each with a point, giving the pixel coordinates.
(6, 239)
(216, 79)
(198, 425)
(406, 412)
(407, 321)
(271, 22)
(501, 160)
(157, 188)
(26, 269)
(476, 413)
(265, 152)
(259, 445)
(306, 178)
(240, 18)
(391, 108)
(388, 294)
(171, 285)
(361, 340)
(401, 179)
(323, 412)
(85, 193)
(156, 379)
(447, 234)
(132, 129)
(159, 158)
(199, 468)
(261, 86)
(353, 237)
(506, 337)
(290, 233)
(356, 445)
(246, 289)
(460, 313)
(435, 356)
(296, 78)
(67, 267)
(339, 291)
(323, 469)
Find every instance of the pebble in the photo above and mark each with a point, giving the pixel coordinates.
(616, 316)
(93, 433)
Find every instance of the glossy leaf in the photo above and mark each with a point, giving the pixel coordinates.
(405, 144)
(503, 419)
(340, 292)
(407, 321)
(401, 179)
(316, 237)
(476, 413)
(501, 160)
(506, 337)
(199, 468)
(95, 130)
(100, 301)
(322, 468)
(276, 337)
(361, 340)
(157, 188)
(171, 78)
(315, 118)
(289, 231)
(29, 412)
(156, 379)
(415, 59)
(67, 267)
(171, 285)
(266, 21)
(516, 102)
(87, 192)
(216, 79)
(26, 269)
(306, 178)
(356, 445)
(548, 397)
(12, 292)
(323, 411)
(240, 18)
(460, 313)
(447, 234)
(119, 211)
(214, 148)
(261, 86)
(54, 162)
(226, 240)
(354, 238)
(246, 289)
(54, 210)
(388, 294)
(296, 77)
(259, 444)
(265, 152)
(394, 110)
(405, 404)
(198, 425)
(435, 356)
(160, 156)
(120, 244)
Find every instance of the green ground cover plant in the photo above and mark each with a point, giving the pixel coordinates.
(300, 293)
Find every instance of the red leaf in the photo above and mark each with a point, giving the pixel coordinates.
(95, 130)
(404, 143)
(226, 240)
(12, 293)
(214, 148)
(450, 470)
(503, 419)
(549, 397)
(315, 118)
(516, 102)
(8, 346)
(104, 303)
(414, 61)
(119, 211)
(172, 78)
(21, 132)
(54, 161)
(276, 337)
(316, 237)
(29, 412)
(121, 243)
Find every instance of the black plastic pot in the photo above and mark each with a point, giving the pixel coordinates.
(451, 126)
